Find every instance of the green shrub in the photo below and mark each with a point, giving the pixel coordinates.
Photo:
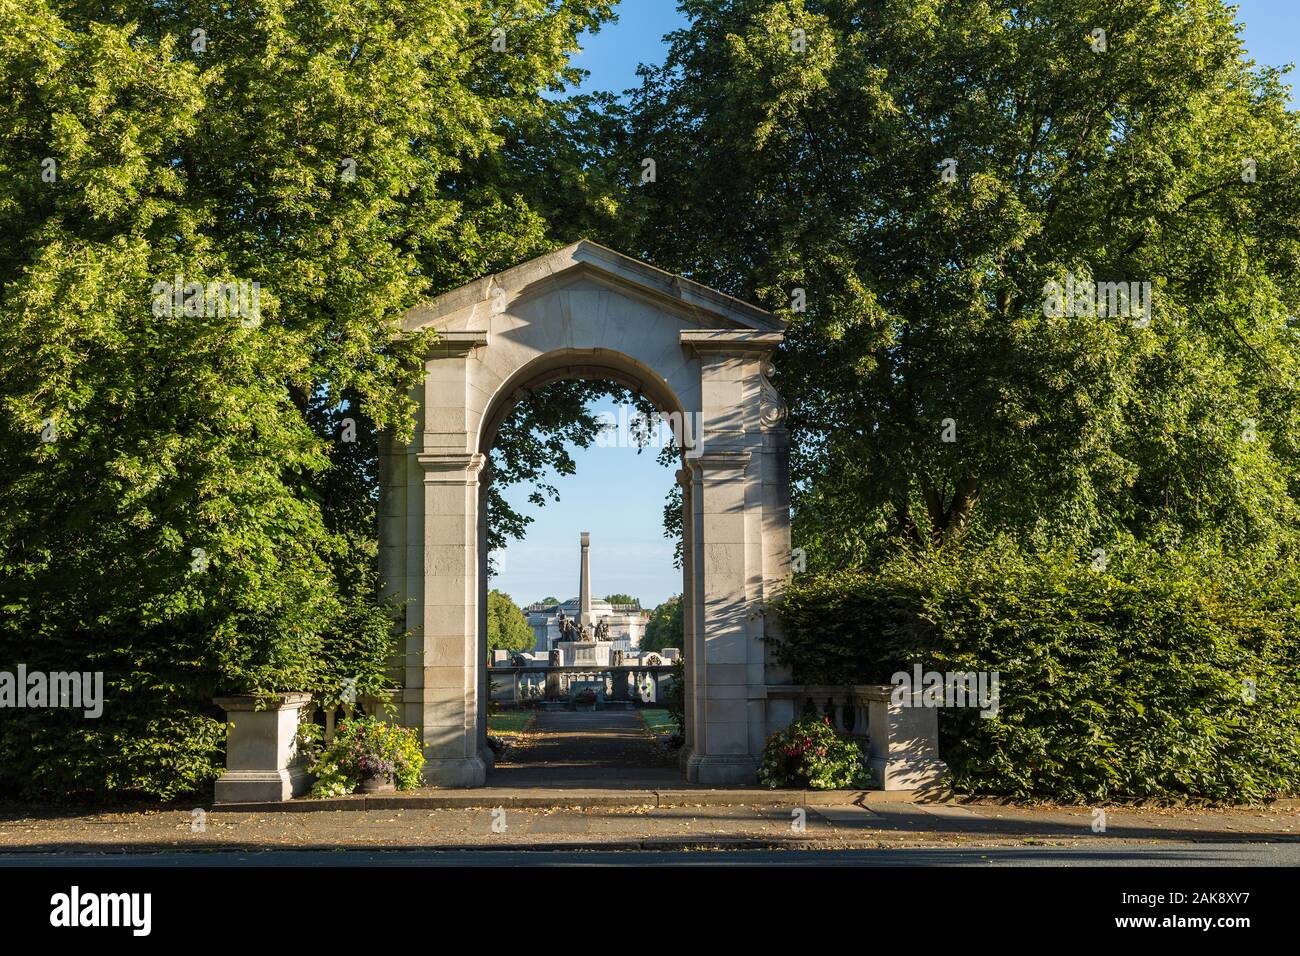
(362, 747)
(1158, 676)
(810, 754)
(675, 697)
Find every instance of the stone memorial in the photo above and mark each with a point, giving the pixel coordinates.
(702, 359)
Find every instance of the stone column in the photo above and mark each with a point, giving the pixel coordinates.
(433, 559)
(690, 605)
(479, 647)
(731, 542)
(584, 582)
(449, 673)
(722, 645)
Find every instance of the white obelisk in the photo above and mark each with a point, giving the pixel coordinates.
(584, 585)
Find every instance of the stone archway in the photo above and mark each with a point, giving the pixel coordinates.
(587, 311)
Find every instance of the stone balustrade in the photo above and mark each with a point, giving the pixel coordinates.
(518, 685)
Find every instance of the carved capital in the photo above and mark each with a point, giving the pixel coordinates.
(456, 468)
(721, 464)
(458, 344)
(730, 341)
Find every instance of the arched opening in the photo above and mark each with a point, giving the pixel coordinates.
(585, 311)
(575, 743)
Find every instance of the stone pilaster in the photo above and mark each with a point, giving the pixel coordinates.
(730, 555)
(449, 671)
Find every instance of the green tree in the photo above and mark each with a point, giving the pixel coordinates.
(622, 599)
(508, 629)
(919, 173)
(180, 504)
(664, 629)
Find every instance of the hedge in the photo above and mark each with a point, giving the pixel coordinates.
(1161, 676)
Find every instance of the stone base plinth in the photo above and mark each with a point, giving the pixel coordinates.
(904, 749)
(455, 772)
(252, 786)
(262, 760)
(908, 774)
(721, 771)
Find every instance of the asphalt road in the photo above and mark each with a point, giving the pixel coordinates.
(1164, 855)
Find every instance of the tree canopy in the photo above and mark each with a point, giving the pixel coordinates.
(508, 629)
(182, 502)
(903, 181)
(664, 628)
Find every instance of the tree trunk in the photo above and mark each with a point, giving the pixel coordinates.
(948, 522)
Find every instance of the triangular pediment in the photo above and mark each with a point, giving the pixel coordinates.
(584, 260)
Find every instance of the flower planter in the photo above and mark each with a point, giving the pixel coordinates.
(382, 783)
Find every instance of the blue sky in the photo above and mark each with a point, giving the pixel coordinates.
(618, 495)
(1272, 36)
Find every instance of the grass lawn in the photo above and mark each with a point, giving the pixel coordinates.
(508, 722)
(657, 721)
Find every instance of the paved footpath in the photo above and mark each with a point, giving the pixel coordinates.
(1162, 855)
(604, 749)
(756, 825)
(591, 782)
